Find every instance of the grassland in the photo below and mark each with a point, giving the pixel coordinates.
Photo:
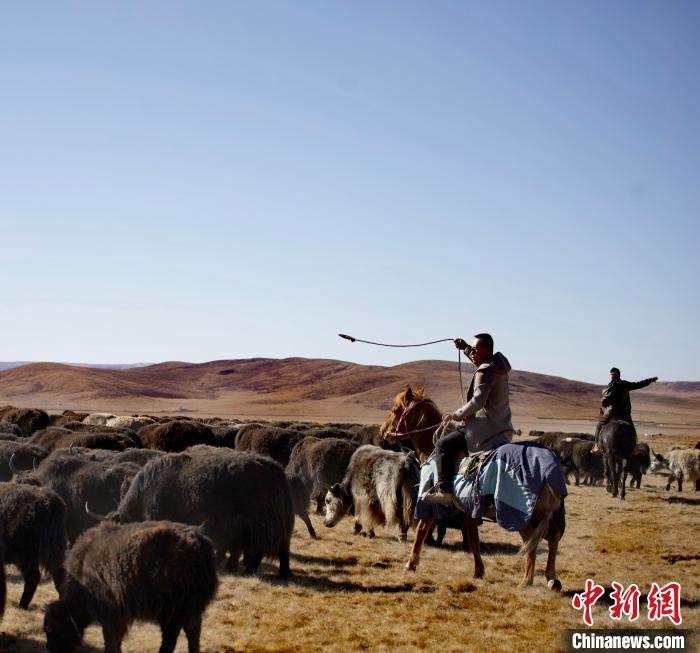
(352, 593)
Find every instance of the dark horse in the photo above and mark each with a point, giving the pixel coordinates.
(415, 417)
(618, 440)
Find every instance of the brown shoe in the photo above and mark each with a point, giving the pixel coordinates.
(438, 495)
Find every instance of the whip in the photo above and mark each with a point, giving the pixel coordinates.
(420, 344)
(383, 344)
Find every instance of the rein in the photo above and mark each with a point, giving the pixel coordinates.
(402, 435)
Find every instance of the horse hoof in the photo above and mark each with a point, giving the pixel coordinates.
(411, 565)
(554, 584)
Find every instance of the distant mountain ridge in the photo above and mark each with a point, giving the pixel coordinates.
(313, 382)
(8, 365)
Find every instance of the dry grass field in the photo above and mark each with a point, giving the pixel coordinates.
(352, 593)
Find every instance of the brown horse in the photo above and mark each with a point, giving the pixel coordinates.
(415, 417)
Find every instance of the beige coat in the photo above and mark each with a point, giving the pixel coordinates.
(487, 411)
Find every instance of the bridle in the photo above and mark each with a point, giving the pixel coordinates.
(402, 435)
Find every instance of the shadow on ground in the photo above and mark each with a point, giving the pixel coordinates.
(12, 644)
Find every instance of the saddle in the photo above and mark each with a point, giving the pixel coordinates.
(473, 463)
(471, 467)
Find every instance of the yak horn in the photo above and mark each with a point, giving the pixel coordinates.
(13, 469)
(93, 514)
(70, 448)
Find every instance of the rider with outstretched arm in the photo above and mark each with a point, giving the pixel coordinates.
(616, 403)
(486, 415)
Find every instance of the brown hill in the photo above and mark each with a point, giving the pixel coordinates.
(327, 390)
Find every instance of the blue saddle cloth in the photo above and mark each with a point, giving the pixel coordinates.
(510, 481)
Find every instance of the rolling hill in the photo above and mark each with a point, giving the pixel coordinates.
(324, 390)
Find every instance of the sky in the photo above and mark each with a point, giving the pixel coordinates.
(203, 181)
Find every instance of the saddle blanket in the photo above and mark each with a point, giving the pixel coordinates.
(510, 481)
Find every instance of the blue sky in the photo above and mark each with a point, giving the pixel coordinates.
(230, 180)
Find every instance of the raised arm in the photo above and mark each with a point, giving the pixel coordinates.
(636, 385)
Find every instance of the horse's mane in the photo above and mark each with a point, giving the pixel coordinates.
(418, 395)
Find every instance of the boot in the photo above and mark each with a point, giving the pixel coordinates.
(439, 494)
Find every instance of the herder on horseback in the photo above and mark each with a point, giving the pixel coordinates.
(486, 415)
(615, 403)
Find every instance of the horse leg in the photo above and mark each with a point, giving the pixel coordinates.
(526, 534)
(680, 481)
(550, 572)
(472, 528)
(615, 475)
(465, 538)
(607, 464)
(624, 478)
(549, 503)
(422, 529)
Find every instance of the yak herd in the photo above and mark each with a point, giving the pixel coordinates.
(132, 516)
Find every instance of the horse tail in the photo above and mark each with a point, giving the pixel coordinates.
(549, 502)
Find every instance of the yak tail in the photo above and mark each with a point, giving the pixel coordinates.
(548, 502)
(408, 490)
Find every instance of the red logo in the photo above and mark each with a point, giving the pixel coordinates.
(625, 602)
(586, 600)
(665, 602)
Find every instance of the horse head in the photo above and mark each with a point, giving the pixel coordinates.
(412, 416)
(402, 415)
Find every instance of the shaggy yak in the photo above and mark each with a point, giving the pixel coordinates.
(28, 419)
(34, 524)
(19, 456)
(381, 487)
(97, 419)
(77, 479)
(176, 435)
(133, 422)
(59, 438)
(576, 457)
(684, 465)
(242, 500)
(639, 463)
(272, 441)
(8, 428)
(320, 464)
(154, 571)
(137, 456)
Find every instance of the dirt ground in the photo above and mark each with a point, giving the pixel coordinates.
(352, 593)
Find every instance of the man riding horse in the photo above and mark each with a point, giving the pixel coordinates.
(616, 404)
(486, 415)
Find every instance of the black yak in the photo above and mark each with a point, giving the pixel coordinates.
(154, 571)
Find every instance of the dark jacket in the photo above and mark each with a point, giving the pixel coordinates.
(616, 398)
